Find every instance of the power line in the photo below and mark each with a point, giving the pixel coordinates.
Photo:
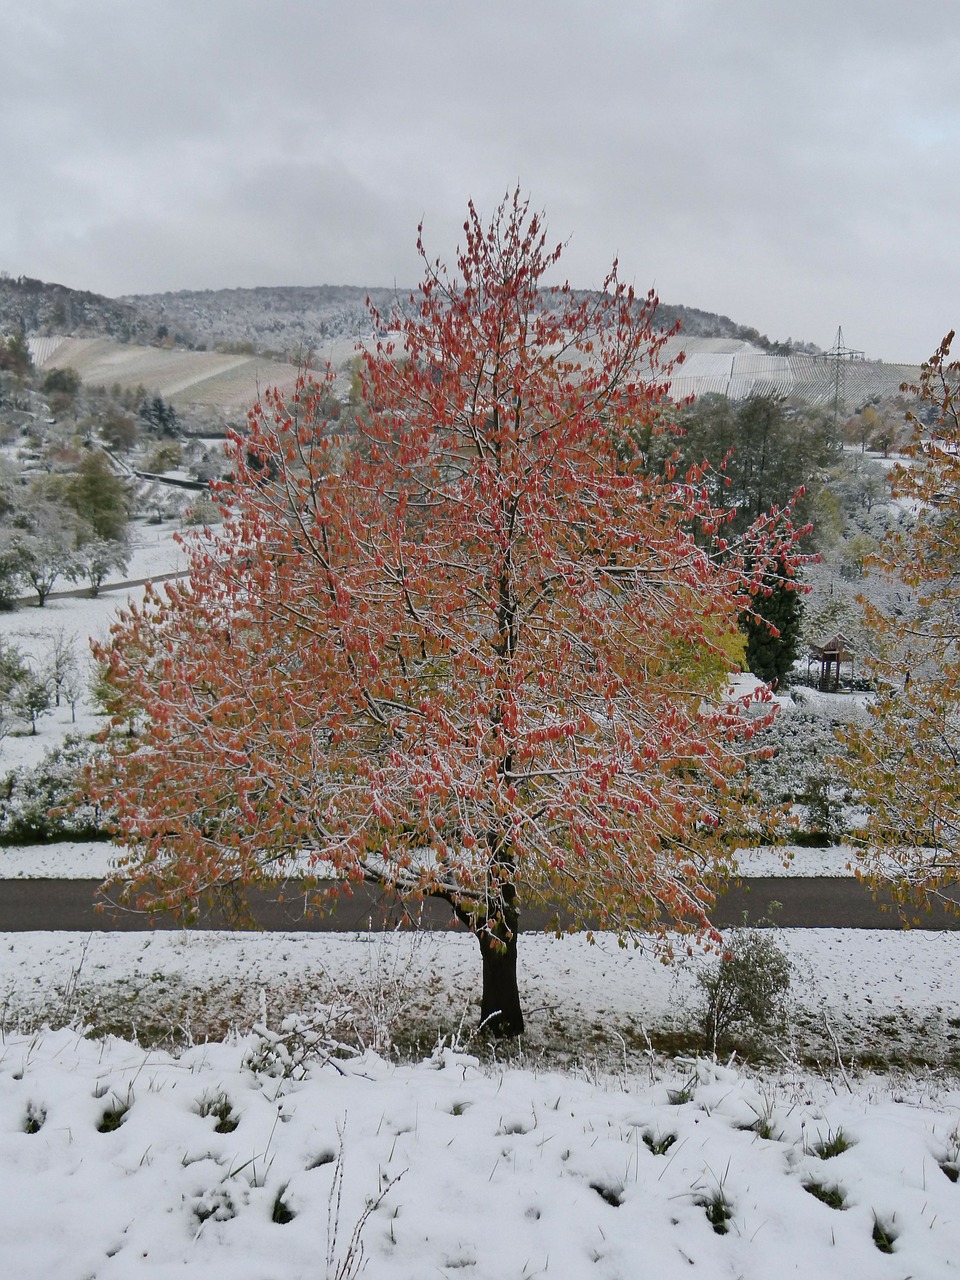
(841, 355)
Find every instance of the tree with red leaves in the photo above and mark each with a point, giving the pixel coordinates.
(472, 650)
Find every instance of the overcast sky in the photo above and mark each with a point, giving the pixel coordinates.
(795, 165)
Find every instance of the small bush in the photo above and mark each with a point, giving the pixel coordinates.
(745, 992)
(718, 1209)
(64, 382)
(166, 457)
(300, 1044)
(216, 1204)
(883, 1236)
(325, 1157)
(824, 812)
(202, 512)
(765, 1126)
(45, 804)
(33, 1121)
(679, 1097)
(112, 1118)
(612, 1195)
(282, 1213)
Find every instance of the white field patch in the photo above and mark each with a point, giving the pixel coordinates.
(120, 1162)
(182, 377)
(87, 859)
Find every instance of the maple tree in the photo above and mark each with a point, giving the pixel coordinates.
(474, 650)
(903, 763)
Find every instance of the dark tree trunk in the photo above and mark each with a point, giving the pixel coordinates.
(500, 1011)
(495, 920)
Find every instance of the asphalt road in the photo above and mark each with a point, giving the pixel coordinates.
(814, 902)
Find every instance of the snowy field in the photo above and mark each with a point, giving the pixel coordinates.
(87, 860)
(77, 618)
(118, 1162)
(206, 1141)
(870, 995)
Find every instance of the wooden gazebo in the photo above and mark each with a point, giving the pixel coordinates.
(831, 654)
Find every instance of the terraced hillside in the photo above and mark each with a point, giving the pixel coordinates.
(721, 356)
(725, 366)
(738, 369)
(181, 377)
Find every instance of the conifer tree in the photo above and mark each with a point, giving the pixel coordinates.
(773, 624)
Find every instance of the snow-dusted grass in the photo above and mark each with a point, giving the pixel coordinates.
(873, 995)
(69, 860)
(115, 1162)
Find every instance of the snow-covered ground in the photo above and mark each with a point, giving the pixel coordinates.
(77, 618)
(579, 1153)
(117, 1161)
(876, 995)
(87, 860)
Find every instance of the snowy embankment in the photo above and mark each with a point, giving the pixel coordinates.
(118, 1162)
(93, 859)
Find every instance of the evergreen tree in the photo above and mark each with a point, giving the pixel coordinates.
(15, 355)
(762, 453)
(159, 416)
(772, 625)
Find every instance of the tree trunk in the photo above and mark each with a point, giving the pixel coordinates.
(500, 1011)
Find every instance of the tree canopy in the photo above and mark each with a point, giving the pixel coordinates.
(99, 496)
(763, 453)
(904, 762)
(473, 650)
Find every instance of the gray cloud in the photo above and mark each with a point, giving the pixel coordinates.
(792, 165)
